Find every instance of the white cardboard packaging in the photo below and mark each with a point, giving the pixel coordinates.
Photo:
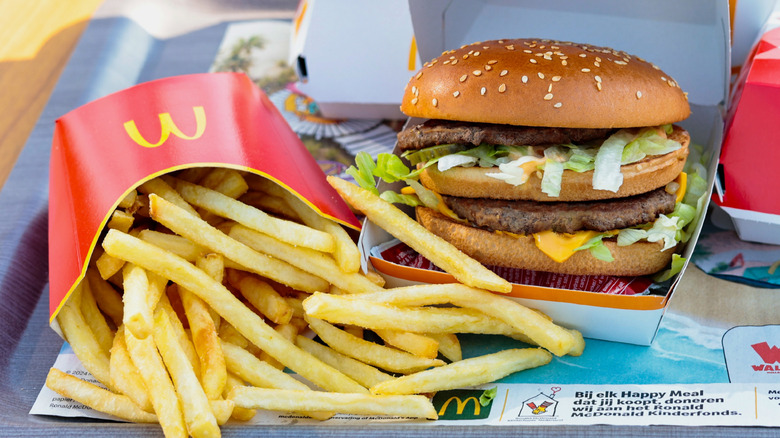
(353, 57)
(688, 39)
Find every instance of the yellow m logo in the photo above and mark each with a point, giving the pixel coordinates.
(167, 127)
(461, 405)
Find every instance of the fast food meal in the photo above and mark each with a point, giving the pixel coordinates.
(546, 155)
(209, 297)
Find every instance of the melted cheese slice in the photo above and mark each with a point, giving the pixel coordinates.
(561, 246)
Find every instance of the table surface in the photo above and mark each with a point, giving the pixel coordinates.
(39, 37)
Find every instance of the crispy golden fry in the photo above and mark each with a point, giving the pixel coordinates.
(416, 406)
(228, 333)
(128, 200)
(162, 189)
(226, 181)
(386, 358)
(467, 372)
(449, 345)
(350, 309)
(94, 318)
(107, 298)
(83, 342)
(269, 204)
(316, 263)
(124, 375)
(200, 232)
(121, 221)
(176, 244)
(96, 397)
(165, 401)
(289, 331)
(222, 409)
(240, 414)
(138, 316)
(214, 265)
(531, 323)
(346, 254)
(229, 307)
(198, 416)
(108, 266)
(364, 374)
(259, 373)
(178, 327)
(206, 342)
(415, 343)
(464, 268)
(262, 296)
(284, 230)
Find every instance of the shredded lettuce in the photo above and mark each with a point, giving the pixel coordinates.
(597, 248)
(606, 171)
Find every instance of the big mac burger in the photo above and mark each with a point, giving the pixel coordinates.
(547, 155)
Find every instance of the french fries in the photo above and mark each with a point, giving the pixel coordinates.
(198, 310)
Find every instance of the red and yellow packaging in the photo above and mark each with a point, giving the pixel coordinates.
(106, 148)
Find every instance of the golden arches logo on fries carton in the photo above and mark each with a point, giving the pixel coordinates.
(103, 150)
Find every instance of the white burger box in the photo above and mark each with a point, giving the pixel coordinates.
(688, 39)
(352, 57)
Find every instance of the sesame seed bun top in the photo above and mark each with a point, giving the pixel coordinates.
(536, 82)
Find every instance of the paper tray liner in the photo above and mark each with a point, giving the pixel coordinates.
(106, 148)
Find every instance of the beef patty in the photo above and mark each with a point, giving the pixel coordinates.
(526, 217)
(434, 132)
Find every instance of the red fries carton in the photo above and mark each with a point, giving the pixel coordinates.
(749, 178)
(106, 148)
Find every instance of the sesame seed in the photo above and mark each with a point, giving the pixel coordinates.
(597, 64)
(503, 73)
(463, 78)
(598, 85)
(456, 94)
(452, 57)
(541, 75)
(454, 62)
(511, 47)
(477, 72)
(528, 51)
(414, 101)
(435, 102)
(483, 91)
(485, 47)
(597, 78)
(621, 63)
(638, 94)
(663, 78)
(488, 68)
(585, 70)
(548, 96)
(533, 61)
(502, 88)
(418, 75)
(549, 88)
(582, 55)
(598, 59)
(556, 78)
(446, 62)
(492, 61)
(466, 56)
(471, 52)
(564, 62)
(558, 105)
(476, 53)
(414, 89)
(524, 79)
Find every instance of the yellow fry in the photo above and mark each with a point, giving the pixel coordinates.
(198, 416)
(240, 414)
(443, 254)
(84, 344)
(106, 297)
(350, 309)
(284, 230)
(467, 372)
(161, 188)
(364, 374)
(289, 331)
(536, 326)
(178, 328)
(386, 358)
(226, 181)
(229, 307)
(124, 375)
(138, 316)
(121, 221)
(449, 345)
(222, 409)
(204, 234)
(204, 337)
(317, 263)
(262, 296)
(94, 318)
(176, 244)
(150, 366)
(108, 266)
(128, 200)
(346, 253)
(96, 397)
(416, 406)
(415, 343)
